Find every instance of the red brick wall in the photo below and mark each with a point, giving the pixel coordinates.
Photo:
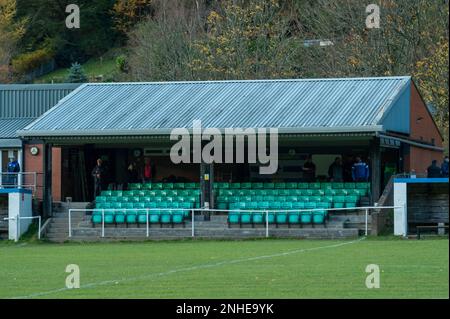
(423, 129)
(36, 164)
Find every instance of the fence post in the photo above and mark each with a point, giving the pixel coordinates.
(18, 227)
(366, 221)
(103, 223)
(70, 223)
(267, 224)
(147, 223)
(39, 227)
(193, 219)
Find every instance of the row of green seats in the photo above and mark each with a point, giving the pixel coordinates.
(291, 185)
(160, 185)
(285, 205)
(317, 217)
(161, 192)
(145, 199)
(291, 192)
(140, 217)
(338, 199)
(117, 205)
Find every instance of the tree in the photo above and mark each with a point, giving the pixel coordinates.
(76, 74)
(129, 12)
(11, 31)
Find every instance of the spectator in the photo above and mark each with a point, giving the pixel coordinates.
(347, 166)
(98, 174)
(309, 170)
(433, 170)
(444, 167)
(149, 170)
(13, 170)
(360, 171)
(133, 175)
(336, 170)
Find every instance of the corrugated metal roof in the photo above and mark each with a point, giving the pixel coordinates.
(10, 143)
(347, 104)
(31, 100)
(9, 127)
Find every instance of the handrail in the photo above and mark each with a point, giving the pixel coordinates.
(193, 210)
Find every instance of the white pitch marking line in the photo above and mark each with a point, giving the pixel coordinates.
(225, 262)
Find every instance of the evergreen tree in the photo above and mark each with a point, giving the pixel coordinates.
(76, 74)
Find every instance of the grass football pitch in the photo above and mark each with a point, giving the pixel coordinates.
(227, 269)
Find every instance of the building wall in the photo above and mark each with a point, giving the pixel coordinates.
(36, 164)
(423, 129)
(422, 125)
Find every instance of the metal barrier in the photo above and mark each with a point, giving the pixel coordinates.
(366, 210)
(28, 180)
(18, 224)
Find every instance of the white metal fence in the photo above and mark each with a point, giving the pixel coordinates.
(28, 180)
(367, 210)
(18, 219)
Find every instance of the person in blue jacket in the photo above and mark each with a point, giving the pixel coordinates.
(13, 169)
(360, 171)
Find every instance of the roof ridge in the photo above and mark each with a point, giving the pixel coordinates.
(403, 77)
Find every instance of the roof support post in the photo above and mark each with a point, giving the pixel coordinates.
(375, 173)
(47, 198)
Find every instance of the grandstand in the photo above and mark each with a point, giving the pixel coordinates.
(383, 120)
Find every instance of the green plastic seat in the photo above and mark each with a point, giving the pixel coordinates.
(177, 216)
(303, 185)
(351, 199)
(295, 192)
(178, 185)
(323, 205)
(154, 217)
(128, 205)
(310, 205)
(246, 217)
(338, 199)
(131, 217)
(315, 198)
(337, 185)
(298, 205)
(251, 205)
(222, 205)
(293, 218)
(269, 185)
(314, 185)
(139, 205)
(166, 217)
(167, 185)
(283, 192)
(263, 205)
(307, 192)
(270, 217)
(291, 198)
(318, 217)
(281, 217)
(258, 218)
(338, 205)
(342, 192)
(362, 185)
(330, 192)
(350, 204)
(147, 186)
(257, 185)
(318, 192)
(116, 205)
(103, 205)
(119, 217)
(106, 193)
(325, 186)
(291, 185)
(246, 185)
(234, 217)
(116, 193)
(142, 217)
(96, 217)
(286, 205)
(235, 185)
(109, 217)
(280, 185)
(306, 217)
(100, 199)
(150, 205)
(349, 185)
(157, 186)
(275, 205)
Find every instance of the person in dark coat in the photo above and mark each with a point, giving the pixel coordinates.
(336, 171)
(98, 174)
(309, 170)
(433, 170)
(360, 171)
(444, 167)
